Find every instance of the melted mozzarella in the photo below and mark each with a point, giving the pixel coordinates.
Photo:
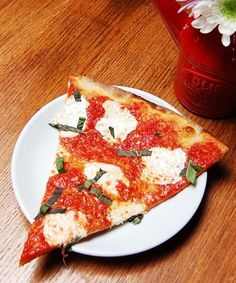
(164, 165)
(110, 179)
(118, 118)
(121, 211)
(62, 229)
(72, 112)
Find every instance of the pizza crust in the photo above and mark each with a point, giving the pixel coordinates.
(189, 131)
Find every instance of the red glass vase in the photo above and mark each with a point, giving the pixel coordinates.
(205, 81)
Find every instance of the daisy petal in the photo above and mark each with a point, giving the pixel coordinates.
(208, 28)
(225, 40)
(212, 19)
(208, 14)
(199, 23)
(225, 29)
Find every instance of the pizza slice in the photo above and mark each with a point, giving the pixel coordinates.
(118, 156)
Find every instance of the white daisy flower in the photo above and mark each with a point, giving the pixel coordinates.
(209, 14)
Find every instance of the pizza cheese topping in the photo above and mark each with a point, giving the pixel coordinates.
(70, 116)
(120, 119)
(62, 229)
(121, 211)
(108, 181)
(164, 165)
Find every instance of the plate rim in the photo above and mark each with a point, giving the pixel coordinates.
(145, 95)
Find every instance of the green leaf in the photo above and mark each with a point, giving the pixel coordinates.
(99, 175)
(105, 199)
(134, 153)
(191, 174)
(81, 123)
(95, 191)
(88, 183)
(56, 195)
(183, 172)
(196, 167)
(60, 165)
(77, 95)
(65, 128)
(136, 219)
(44, 209)
(80, 187)
(112, 132)
(57, 210)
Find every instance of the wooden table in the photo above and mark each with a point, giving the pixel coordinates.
(117, 42)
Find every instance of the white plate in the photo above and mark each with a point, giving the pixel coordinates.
(31, 163)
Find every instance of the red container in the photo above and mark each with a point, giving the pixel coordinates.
(205, 81)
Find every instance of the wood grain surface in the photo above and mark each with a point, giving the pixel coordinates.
(117, 42)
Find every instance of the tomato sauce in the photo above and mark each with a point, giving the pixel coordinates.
(36, 244)
(95, 111)
(204, 154)
(72, 199)
(152, 133)
(163, 192)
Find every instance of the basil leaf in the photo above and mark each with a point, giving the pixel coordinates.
(55, 196)
(95, 191)
(81, 123)
(134, 153)
(136, 219)
(44, 209)
(191, 174)
(88, 183)
(183, 172)
(60, 165)
(112, 132)
(99, 175)
(80, 187)
(57, 210)
(105, 199)
(65, 128)
(196, 167)
(77, 95)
